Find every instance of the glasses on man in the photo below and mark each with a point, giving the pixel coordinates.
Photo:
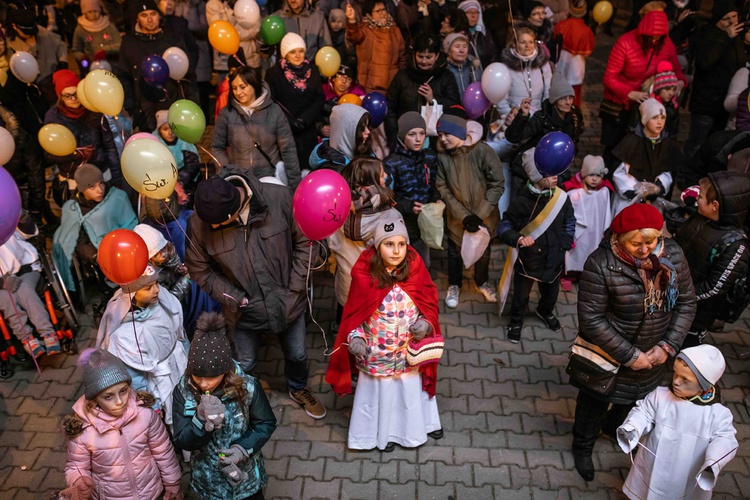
(69, 96)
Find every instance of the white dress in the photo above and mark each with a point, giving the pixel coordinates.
(692, 444)
(593, 217)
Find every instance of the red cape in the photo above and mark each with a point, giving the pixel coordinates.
(364, 298)
(576, 182)
(578, 39)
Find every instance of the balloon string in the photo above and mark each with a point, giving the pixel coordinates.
(238, 59)
(308, 281)
(18, 318)
(135, 333)
(182, 89)
(217, 162)
(180, 226)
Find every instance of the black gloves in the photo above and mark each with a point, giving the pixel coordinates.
(299, 124)
(471, 223)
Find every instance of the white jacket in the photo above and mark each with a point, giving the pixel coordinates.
(692, 444)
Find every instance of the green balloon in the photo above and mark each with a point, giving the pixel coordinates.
(187, 120)
(272, 30)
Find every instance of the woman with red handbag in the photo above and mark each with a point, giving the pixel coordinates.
(391, 328)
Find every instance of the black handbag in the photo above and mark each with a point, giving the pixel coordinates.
(591, 368)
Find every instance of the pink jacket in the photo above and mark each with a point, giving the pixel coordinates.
(127, 457)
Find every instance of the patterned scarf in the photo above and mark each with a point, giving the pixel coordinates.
(373, 24)
(297, 76)
(657, 274)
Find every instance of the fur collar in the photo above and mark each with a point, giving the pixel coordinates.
(515, 64)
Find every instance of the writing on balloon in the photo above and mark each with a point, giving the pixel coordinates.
(151, 185)
(332, 216)
(174, 171)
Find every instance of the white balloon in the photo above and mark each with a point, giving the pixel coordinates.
(7, 146)
(247, 13)
(177, 61)
(496, 82)
(101, 64)
(24, 66)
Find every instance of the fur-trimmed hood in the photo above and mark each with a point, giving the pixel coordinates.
(75, 423)
(508, 58)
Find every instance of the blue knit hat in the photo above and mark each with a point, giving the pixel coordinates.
(453, 125)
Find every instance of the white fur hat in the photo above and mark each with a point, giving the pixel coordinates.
(706, 362)
(290, 42)
(155, 241)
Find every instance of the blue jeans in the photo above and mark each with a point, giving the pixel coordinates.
(292, 339)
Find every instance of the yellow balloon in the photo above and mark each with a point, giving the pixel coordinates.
(602, 11)
(81, 93)
(149, 168)
(224, 37)
(350, 99)
(104, 92)
(328, 61)
(57, 140)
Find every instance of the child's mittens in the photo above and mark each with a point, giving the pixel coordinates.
(81, 489)
(472, 222)
(358, 347)
(234, 474)
(172, 492)
(627, 438)
(11, 283)
(420, 329)
(233, 455)
(211, 411)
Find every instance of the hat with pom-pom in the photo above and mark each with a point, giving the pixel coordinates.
(665, 76)
(101, 370)
(210, 353)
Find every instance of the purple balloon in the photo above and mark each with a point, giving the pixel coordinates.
(10, 206)
(554, 153)
(474, 101)
(155, 71)
(375, 104)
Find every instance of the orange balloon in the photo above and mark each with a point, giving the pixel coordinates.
(224, 37)
(350, 99)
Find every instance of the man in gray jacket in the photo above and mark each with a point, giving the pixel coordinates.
(300, 17)
(248, 253)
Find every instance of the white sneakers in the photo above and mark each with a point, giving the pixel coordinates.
(490, 295)
(451, 297)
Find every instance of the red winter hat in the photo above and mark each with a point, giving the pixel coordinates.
(638, 216)
(63, 79)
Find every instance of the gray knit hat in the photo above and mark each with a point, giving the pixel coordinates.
(593, 165)
(87, 176)
(389, 228)
(149, 276)
(409, 121)
(101, 371)
(529, 166)
(559, 88)
(210, 354)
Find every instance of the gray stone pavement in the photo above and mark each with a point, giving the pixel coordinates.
(506, 409)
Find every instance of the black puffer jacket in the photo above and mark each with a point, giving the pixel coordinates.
(611, 309)
(701, 240)
(403, 92)
(26, 163)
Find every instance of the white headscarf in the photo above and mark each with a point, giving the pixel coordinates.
(474, 4)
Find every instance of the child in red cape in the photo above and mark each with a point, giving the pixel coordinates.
(393, 302)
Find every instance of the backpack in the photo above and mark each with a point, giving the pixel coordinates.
(734, 303)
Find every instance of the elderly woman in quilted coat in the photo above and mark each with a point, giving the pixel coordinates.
(635, 304)
(118, 447)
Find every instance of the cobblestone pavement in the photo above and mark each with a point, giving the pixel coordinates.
(506, 409)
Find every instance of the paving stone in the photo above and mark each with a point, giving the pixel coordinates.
(306, 468)
(320, 490)
(491, 475)
(359, 491)
(348, 470)
(387, 490)
(28, 479)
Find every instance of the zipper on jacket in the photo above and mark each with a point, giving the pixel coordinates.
(129, 464)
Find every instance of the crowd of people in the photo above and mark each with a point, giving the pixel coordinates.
(652, 232)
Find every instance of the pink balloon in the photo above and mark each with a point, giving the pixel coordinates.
(141, 135)
(321, 204)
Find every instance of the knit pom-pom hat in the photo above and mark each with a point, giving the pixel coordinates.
(210, 354)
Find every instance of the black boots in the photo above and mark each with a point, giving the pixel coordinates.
(584, 466)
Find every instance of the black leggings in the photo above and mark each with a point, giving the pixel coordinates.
(592, 416)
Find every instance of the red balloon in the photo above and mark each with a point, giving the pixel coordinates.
(321, 203)
(122, 256)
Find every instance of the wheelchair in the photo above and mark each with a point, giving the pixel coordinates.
(61, 310)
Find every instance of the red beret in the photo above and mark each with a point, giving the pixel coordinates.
(63, 79)
(638, 216)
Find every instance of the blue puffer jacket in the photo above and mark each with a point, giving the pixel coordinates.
(249, 429)
(411, 176)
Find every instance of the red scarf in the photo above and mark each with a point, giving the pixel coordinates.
(364, 298)
(71, 113)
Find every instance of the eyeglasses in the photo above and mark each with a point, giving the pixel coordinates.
(69, 96)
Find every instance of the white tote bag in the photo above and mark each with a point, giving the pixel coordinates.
(431, 114)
